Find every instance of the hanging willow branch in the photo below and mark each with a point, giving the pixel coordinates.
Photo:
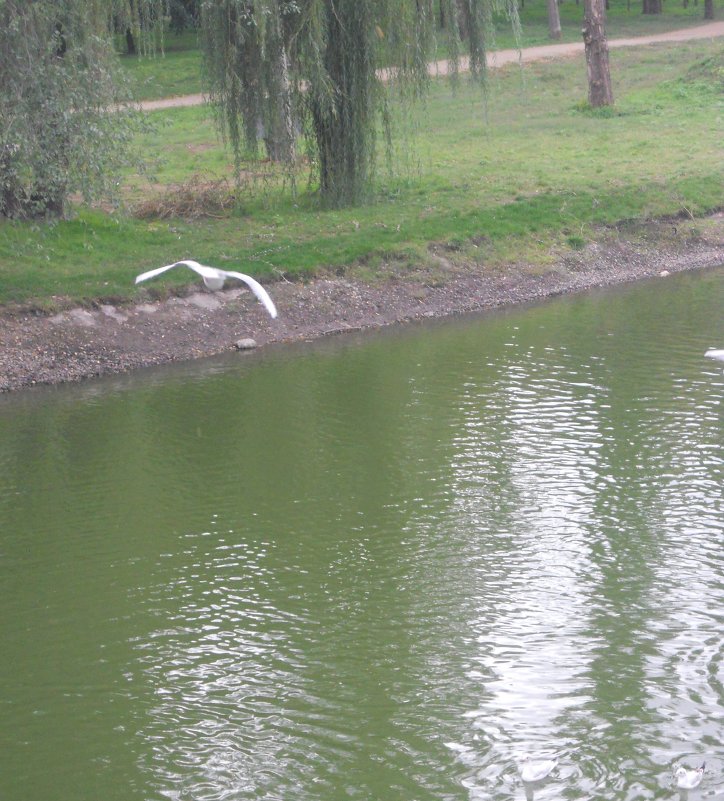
(140, 21)
(59, 132)
(275, 67)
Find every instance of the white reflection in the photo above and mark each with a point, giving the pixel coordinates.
(526, 474)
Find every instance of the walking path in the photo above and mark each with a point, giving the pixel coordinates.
(500, 58)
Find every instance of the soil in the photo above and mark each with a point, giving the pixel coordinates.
(79, 343)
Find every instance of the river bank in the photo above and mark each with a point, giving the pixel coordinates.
(80, 343)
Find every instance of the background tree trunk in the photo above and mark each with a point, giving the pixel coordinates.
(596, 45)
(554, 20)
(708, 9)
(281, 139)
(130, 43)
(651, 6)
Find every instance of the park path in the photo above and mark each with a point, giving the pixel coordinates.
(499, 58)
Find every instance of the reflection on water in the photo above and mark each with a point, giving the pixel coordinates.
(381, 568)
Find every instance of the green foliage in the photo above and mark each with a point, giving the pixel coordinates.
(141, 22)
(277, 66)
(710, 70)
(59, 133)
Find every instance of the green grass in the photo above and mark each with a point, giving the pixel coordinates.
(537, 170)
(621, 21)
(176, 72)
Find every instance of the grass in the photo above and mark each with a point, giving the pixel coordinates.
(530, 170)
(178, 70)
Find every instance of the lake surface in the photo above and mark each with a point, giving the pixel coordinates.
(377, 568)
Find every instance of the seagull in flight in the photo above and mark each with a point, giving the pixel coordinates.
(535, 770)
(214, 279)
(715, 353)
(689, 779)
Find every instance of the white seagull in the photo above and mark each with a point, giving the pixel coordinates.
(535, 770)
(689, 779)
(715, 353)
(214, 279)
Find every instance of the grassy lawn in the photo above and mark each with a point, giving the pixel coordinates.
(526, 172)
(178, 70)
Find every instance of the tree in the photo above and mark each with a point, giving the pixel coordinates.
(183, 14)
(554, 20)
(142, 21)
(277, 66)
(652, 6)
(600, 92)
(59, 132)
(247, 63)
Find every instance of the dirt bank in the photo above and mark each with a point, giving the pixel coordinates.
(80, 343)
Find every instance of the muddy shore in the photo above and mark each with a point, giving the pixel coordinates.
(80, 343)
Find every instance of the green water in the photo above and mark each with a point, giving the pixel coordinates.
(380, 568)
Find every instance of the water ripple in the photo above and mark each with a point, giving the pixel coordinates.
(385, 568)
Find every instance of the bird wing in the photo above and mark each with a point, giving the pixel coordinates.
(258, 290)
(153, 273)
(206, 272)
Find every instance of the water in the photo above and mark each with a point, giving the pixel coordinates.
(383, 567)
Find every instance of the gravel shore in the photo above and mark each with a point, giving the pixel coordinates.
(83, 342)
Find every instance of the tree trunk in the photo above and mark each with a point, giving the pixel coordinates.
(341, 118)
(652, 6)
(554, 20)
(280, 141)
(596, 46)
(12, 194)
(708, 9)
(130, 43)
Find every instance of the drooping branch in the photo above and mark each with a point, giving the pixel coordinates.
(275, 67)
(58, 131)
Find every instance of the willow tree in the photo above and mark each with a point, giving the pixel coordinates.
(60, 132)
(141, 22)
(326, 67)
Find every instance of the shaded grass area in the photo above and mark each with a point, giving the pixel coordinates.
(528, 171)
(178, 70)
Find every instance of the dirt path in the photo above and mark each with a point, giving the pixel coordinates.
(499, 58)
